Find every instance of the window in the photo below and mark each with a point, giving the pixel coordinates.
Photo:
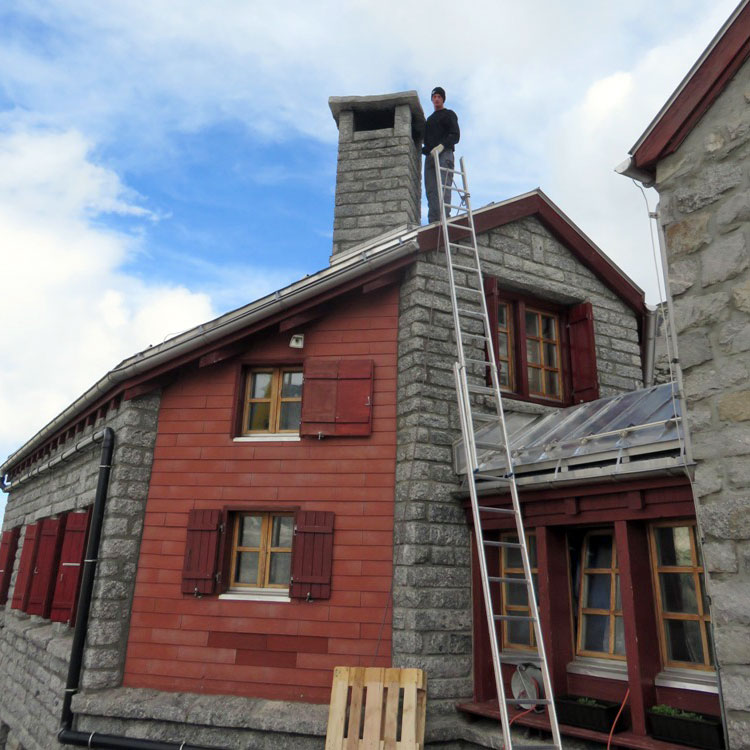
(544, 352)
(8, 548)
(273, 401)
(261, 551)
(600, 623)
(682, 607)
(515, 601)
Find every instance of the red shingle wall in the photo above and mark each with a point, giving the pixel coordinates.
(276, 650)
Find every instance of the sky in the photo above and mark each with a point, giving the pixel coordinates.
(162, 162)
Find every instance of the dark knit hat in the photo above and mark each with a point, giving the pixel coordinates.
(438, 90)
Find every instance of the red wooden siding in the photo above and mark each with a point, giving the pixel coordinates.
(8, 548)
(202, 553)
(273, 649)
(312, 553)
(337, 397)
(65, 598)
(25, 567)
(45, 566)
(584, 376)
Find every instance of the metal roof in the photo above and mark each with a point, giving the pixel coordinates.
(625, 434)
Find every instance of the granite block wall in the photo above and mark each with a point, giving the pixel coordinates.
(35, 652)
(704, 190)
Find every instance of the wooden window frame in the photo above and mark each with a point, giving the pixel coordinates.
(275, 400)
(264, 551)
(516, 609)
(696, 569)
(613, 613)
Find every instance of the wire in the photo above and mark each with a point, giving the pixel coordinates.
(518, 716)
(614, 723)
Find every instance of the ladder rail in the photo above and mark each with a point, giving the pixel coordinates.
(466, 418)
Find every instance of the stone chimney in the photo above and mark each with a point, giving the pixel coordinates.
(378, 177)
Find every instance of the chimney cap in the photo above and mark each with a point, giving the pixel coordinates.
(339, 104)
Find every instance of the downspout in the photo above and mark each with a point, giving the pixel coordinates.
(649, 348)
(67, 735)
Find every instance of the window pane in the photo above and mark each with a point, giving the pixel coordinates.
(673, 544)
(684, 641)
(259, 417)
(678, 592)
(250, 531)
(290, 415)
(702, 584)
(532, 551)
(502, 373)
(551, 384)
(619, 636)
(512, 556)
(519, 632)
(597, 591)
(280, 568)
(281, 533)
(502, 316)
(532, 324)
(618, 601)
(596, 633)
(502, 345)
(291, 385)
(515, 593)
(533, 353)
(548, 327)
(535, 380)
(599, 551)
(247, 568)
(550, 355)
(261, 385)
(710, 643)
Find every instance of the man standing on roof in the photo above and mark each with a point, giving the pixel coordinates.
(441, 134)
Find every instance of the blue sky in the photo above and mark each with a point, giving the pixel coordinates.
(162, 162)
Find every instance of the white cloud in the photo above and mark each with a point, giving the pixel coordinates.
(69, 312)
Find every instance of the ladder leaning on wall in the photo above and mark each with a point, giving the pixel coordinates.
(472, 324)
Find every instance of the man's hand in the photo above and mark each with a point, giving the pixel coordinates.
(438, 149)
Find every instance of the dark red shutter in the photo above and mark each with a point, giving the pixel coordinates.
(25, 567)
(201, 567)
(8, 548)
(312, 555)
(584, 375)
(492, 299)
(337, 397)
(65, 598)
(45, 566)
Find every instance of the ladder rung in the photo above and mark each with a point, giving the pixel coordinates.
(475, 336)
(471, 313)
(500, 579)
(457, 267)
(478, 362)
(491, 478)
(480, 417)
(485, 389)
(469, 289)
(548, 746)
(515, 618)
(452, 171)
(493, 509)
(458, 208)
(508, 658)
(537, 701)
(461, 247)
(504, 545)
(489, 446)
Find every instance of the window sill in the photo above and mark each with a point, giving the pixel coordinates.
(273, 437)
(688, 679)
(609, 669)
(256, 595)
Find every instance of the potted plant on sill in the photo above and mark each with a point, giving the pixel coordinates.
(590, 713)
(685, 727)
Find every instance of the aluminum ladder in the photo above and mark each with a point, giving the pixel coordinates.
(472, 326)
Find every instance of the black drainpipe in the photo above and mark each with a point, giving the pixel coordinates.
(67, 735)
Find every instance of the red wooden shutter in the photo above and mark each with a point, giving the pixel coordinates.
(201, 567)
(8, 548)
(45, 566)
(65, 598)
(337, 397)
(25, 566)
(492, 299)
(312, 555)
(584, 375)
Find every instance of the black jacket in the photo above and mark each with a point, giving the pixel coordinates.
(441, 127)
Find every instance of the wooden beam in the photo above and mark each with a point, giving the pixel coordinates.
(295, 321)
(386, 280)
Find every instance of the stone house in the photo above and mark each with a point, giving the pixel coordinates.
(276, 493)
(696, 153)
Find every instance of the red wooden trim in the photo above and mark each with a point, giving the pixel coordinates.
(200, 567)
(550, 215)
(641, 635)
(70, 568)
(583, 366)
(8, 549)
(301, 319)
(312, 555)
(45, 566)
(699, 93)
(25, 567)
(484, 681)
(384, 281)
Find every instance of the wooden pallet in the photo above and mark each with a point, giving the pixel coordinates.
(392, 703)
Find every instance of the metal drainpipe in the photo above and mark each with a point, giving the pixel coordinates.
(67, 735)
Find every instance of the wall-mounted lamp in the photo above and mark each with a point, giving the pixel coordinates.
(297, 341)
